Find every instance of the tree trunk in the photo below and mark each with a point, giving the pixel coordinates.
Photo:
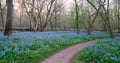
(55, 21)
(110, 31)
(89, 30)
(21, 15)
(8, 26)
(118, 25)
(2, 16)
(51, 26)
(118, 17)
(36, 23)
(2, 19)
(77, 19)
(108, 19)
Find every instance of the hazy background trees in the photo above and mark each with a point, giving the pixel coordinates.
(100, 12)
(2, 14)
(43, 15)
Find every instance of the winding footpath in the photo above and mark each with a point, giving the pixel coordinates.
(65, 56)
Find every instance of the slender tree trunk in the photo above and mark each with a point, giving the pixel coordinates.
(89, 30)
(2, 19)
(40, 25)
(108, 20)
(55, 21)
(77, 17)
(110, 32)
(47, 19)
(30, 23)
(40, 21)
(89, 27)
(118, 24)
(51, 26)
(56, 15)
(8, 26)
(21, 15)
(2, 15)
(104, 27)
(118, 17)
(36, 23)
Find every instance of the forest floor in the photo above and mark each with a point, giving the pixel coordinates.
(33, 47)
(65, 56)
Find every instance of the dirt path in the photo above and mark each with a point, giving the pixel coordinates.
(65, 56)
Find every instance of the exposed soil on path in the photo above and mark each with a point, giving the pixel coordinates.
(65, 56)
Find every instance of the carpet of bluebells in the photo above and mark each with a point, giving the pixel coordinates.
(25, 47)
(104, 51)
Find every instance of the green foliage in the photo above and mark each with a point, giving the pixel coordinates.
(38, 52)
(104, 51)
(31, 50)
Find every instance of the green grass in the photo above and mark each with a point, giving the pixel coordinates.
(53, 48)
(104, 51)
(47, 51)
(39, 53)
(41, 49)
